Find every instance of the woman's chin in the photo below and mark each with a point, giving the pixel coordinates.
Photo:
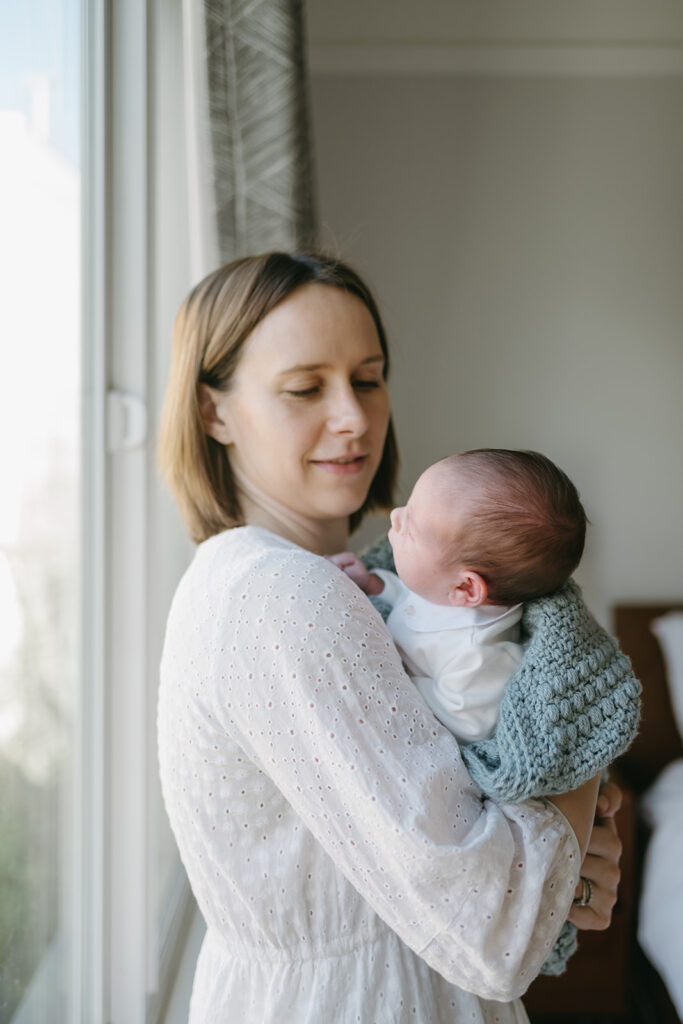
(342, 508)
(343, 511)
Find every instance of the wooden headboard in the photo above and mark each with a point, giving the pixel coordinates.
(658, 741)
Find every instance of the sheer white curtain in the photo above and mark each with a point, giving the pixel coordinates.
(249, 164)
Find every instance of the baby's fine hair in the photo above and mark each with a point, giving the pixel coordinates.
(526, 536)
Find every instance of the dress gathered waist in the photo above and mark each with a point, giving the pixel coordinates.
(359, 979)
(304, 952)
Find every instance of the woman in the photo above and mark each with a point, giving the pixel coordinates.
(342, 857)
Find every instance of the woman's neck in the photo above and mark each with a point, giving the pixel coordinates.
(322, 537)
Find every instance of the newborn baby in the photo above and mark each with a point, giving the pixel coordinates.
(482, 532)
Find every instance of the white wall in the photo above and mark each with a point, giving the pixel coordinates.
(525, 239)
(471, 22)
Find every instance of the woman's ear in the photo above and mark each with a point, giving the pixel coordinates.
(469, 591)
(210, 403)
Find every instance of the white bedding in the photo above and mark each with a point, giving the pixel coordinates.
(660, 931)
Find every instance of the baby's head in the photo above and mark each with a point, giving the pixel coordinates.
(489, 526)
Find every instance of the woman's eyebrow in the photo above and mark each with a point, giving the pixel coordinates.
(303, 366)
(299, 367)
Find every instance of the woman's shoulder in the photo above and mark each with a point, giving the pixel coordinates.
(223, 564)
(244, 545)
(247, 575)
(250, 584)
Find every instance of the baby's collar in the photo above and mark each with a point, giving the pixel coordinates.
(426, 616)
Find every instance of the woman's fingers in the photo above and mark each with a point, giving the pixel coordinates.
(609, 800)
(598, 914)
(605, 842)
(596, 917)
(601, 868)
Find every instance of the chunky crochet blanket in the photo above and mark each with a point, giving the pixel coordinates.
(570, 709)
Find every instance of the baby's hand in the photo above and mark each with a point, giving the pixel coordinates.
(354, 568)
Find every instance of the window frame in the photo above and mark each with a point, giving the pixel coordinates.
(123, 962)
(88, 981)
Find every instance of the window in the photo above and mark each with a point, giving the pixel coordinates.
(92, 895)
(40, 383)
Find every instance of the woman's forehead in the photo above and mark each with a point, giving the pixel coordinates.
(314, 326)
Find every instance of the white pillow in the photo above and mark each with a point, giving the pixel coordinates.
(669, 631)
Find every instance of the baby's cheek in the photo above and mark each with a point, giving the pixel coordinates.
(409, 569)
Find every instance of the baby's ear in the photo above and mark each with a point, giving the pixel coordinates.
(469, 590)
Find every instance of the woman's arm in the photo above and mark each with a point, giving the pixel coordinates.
(311, 687)
(578, 807)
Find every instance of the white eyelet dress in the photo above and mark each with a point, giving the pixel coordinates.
(346, 865)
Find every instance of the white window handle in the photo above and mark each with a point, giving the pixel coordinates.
(126, 421)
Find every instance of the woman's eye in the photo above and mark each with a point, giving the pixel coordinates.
(303, 392)
(362, 384)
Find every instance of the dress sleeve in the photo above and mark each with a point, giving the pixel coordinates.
(311, 687)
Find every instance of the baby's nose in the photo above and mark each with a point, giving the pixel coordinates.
(395, 519)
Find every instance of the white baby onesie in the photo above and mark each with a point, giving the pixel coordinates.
(459, 658)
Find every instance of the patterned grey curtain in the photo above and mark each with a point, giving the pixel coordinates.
(248, 119)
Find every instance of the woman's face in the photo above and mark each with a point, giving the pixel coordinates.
(307, 414)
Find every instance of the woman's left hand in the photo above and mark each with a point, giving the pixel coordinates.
(601, 864)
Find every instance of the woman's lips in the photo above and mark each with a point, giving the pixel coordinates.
(348, 465)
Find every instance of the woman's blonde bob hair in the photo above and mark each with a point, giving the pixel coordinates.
(211, 328)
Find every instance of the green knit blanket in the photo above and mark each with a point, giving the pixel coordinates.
(569, 710)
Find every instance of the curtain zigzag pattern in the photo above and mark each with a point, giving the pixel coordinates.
(261, 174)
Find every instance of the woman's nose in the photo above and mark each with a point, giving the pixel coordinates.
(347, 415)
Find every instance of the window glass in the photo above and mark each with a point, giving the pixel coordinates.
(40, 382)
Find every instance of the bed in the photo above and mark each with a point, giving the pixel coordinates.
(610, 977)
(652, 636)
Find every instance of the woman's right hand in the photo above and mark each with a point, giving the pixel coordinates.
(601, 864)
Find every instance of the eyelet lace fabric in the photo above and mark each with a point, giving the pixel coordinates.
(345, 863)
